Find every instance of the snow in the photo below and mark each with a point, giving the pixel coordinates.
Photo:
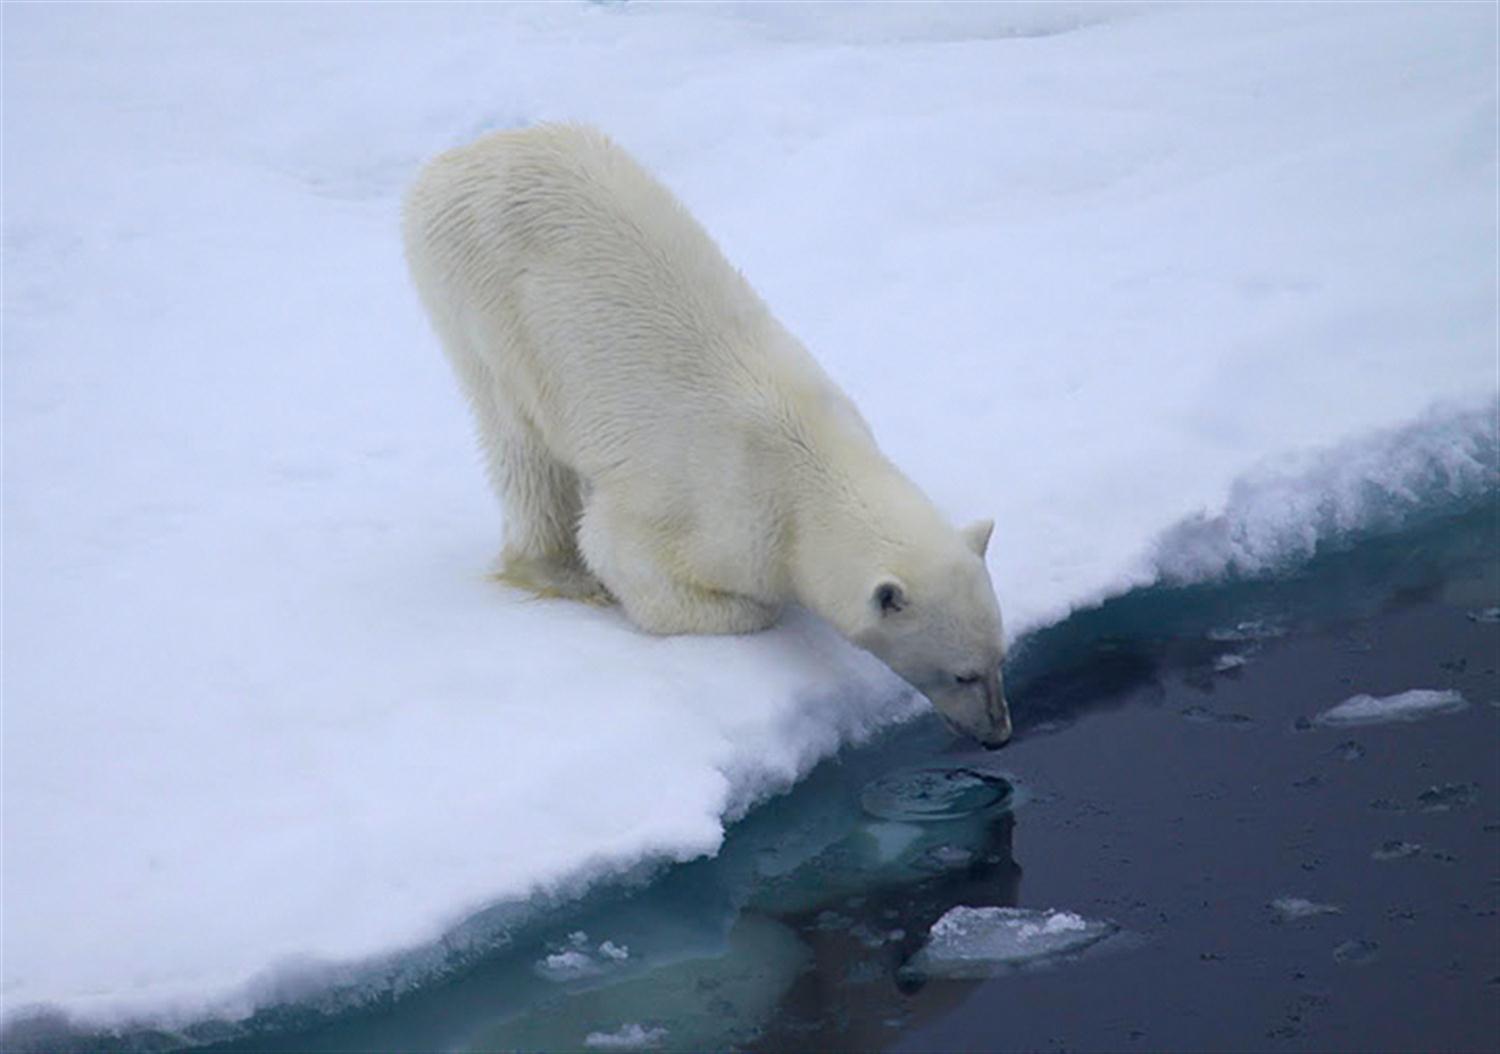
(970, 941)
(1172, 292)
(1414, 705)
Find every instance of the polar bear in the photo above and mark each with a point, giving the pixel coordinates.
(657, 438)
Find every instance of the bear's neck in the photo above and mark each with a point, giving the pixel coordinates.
(854, 515)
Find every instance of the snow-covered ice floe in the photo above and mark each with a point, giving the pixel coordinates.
(255, 675)
(1404, 706)
(974, 942)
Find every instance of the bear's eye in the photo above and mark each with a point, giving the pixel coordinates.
(968, 678)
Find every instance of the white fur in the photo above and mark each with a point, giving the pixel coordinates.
(656, 436)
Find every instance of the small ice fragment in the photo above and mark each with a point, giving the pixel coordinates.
(868, 935)
(945, 858)
(626, 1037)
(567, 965)
(573, 960)
(832, 920)
(1485, 615)
(1356, 953)
(1448, 796)
(1215, 717)
(933, 793)
(1405, 706)
(972, 942)
(1396, 850)
(1289, 909)
(1349, 750)
(1254, 629)
(1232, 661)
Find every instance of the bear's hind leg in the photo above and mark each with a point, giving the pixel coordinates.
(542, 505)
(618, 548)
(539, 495)
(542, 509)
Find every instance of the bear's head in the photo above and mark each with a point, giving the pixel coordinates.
(932, 617)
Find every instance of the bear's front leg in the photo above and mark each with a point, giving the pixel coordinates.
(671, 608)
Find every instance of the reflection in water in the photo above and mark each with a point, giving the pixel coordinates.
(820, 907)
(857, 992)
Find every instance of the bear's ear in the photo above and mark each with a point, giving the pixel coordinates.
(977, 535)
(889, 597)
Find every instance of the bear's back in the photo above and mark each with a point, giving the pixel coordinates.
(628, 334)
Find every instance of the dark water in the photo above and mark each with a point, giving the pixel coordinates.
(1166, 777)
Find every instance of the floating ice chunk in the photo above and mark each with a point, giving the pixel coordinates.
(832, 920)
(933, 793)
(1254, 629)
(1485, 615)
(1204, 715)
(1232, 661)
(873, 937)
(969, 942)
(1289, 909)
(1349, 750)
(945, 858)
(568, 965)
(626, 1037)
(575, 961)
(1405, 706)
(1396, 850)
(1448, 796)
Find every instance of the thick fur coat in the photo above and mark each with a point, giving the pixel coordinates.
(657, 438)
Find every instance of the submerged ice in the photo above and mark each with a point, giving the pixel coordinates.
(627, 1037)
(970, 941)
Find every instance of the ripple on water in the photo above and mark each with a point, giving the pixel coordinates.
(932, 793)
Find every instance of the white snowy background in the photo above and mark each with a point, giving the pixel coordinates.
(1099, 271)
